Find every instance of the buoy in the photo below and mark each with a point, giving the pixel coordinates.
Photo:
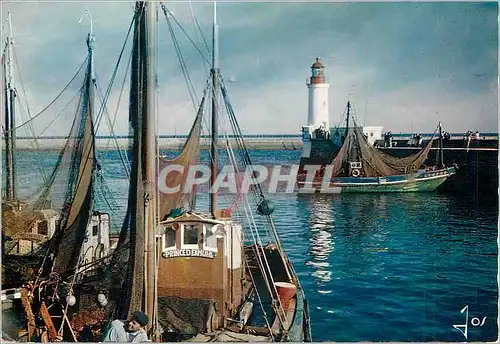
(265, 207)
(286, 292)
(70, 300)
(101, 297)
(355, 173)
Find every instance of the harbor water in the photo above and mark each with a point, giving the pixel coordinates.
(374, 267)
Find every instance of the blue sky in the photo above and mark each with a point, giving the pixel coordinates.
(403, 65)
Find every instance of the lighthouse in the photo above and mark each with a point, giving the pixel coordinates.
(318, 98)
(317, 144)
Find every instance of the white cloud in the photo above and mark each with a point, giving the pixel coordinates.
(268, 49)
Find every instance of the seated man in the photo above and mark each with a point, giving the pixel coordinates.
(131, 331)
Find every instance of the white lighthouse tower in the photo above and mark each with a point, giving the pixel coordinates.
(318, 97)
(317, 118)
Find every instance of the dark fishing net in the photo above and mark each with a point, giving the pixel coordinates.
(185, 316)
(375, 163)
(128, 263)
(57, 204)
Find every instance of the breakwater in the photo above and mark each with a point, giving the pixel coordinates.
(256, 141)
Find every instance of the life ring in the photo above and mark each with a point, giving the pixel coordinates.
(355, 173)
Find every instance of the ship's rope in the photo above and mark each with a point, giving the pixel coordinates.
(113, 76)
(267, 272)
(53, 101)
(232, 158)
(264, 264)
(192, 92)
(260, 255)
(182, 62)
(30, 128)
(169, 13)
(246, 156)
(48, 182)
(198, 28)
(194, 98)
(261, 304)
(103, 110)
(125, 76)
(123, 157)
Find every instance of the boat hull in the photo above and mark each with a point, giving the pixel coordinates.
(422, 181)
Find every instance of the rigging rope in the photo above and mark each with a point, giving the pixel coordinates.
(113, 76)
(95, 129)
(104, 99)
(259, 254)
(53, 101)
(31, 128)
(252, 224)
(123, 157)
(168, 13)
(112, 125)
(198, 28)
(48, 182)
(60, 112)
(187, 77)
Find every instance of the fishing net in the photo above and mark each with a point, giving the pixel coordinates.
(189, 156)
(375, 163)
(121, 277)
(127, 264)
(57, 204)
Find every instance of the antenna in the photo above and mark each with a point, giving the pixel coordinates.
(90, 42)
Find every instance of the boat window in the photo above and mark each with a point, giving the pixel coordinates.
(43, 228)
(190, 234)
(95, 230)
(169, 237)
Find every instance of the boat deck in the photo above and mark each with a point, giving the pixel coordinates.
(226, 335)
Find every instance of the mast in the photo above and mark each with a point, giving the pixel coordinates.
(150, 160)
(215, 107)
(91, 79)
(441, 155)
(8, 163)
(348, 114)
(10, 123)
(90, 45)
(347, 128)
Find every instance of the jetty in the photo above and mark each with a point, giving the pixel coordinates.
(253, 141)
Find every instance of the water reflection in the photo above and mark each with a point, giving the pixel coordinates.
(321, 224)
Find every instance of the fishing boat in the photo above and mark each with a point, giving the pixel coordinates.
(199, 275)
(360, 167)
(64, 197)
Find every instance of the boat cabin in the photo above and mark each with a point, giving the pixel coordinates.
(97, 240)
(201, 262)
(26, 230)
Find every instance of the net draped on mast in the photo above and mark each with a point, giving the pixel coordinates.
(189, 156)
(375, 163)
(65, 195)
(78, 205)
